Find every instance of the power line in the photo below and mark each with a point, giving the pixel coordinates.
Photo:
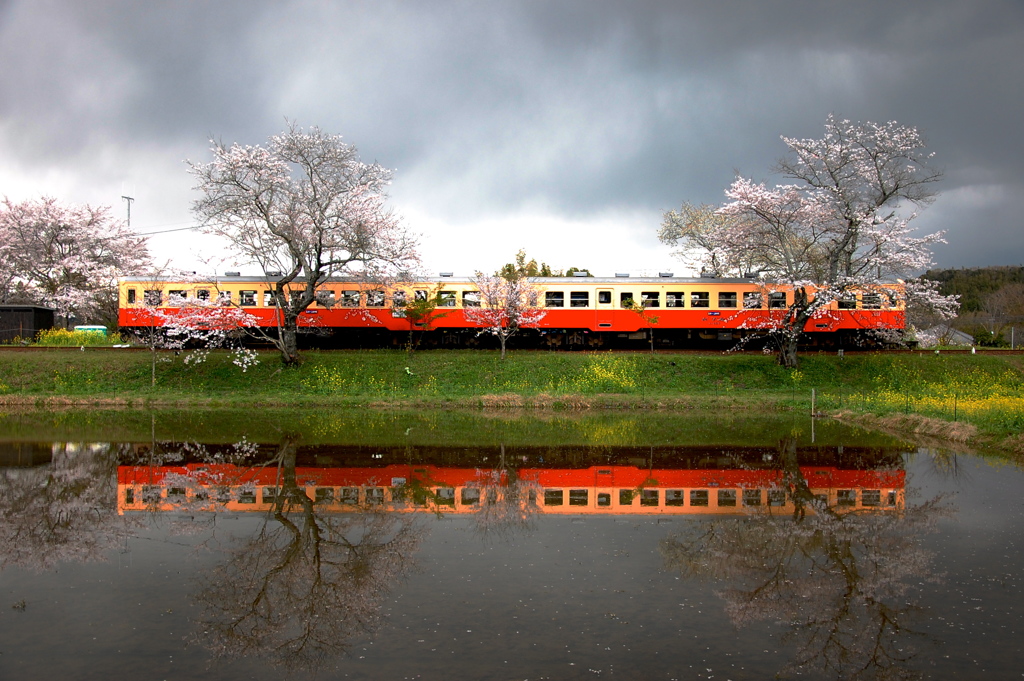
(168, 231)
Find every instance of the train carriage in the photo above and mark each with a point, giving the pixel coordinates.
(607, 489)
(580, 312)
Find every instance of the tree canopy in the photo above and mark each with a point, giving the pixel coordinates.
(66, 257)
(838, 227)
(304, 208)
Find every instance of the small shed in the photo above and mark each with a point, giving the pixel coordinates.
(23, 321)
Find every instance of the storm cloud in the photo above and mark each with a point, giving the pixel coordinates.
(566, 128)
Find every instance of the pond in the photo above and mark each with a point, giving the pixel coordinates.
(270, 544)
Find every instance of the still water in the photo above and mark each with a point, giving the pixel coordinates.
(439, 545)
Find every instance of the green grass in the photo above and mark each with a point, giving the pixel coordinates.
(988, 388)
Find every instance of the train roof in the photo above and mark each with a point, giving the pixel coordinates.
(582, 281)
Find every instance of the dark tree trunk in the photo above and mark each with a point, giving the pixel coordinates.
(793, 327)
(288, 342)
(787, 350)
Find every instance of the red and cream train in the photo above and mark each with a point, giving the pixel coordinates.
(581, 312)
(605, 489)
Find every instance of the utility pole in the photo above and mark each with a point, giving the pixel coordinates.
(129, 200)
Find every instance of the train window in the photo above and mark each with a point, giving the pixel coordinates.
(626, 298)
(675, 299)
(325, 298)
(751, 497)
(700, 299)
(726, 497)
(374, 496)
(268, 299)
(179, 295)
(650, 299)
(626, 497)
(445, 496)
(446, 299)
(698, 497)
(847, 302)
(470, 496)
(152, 298)
(129, 495)
(846, 497)
(871, 497)
(776, 497)
(421, 294)
(777, 299)
(553, 497)
(375, 298)
(269, 495)
(604, 297)
(324, 495)
(649, 497)
(891, 298)
(349, 298)
(247, 496)
(579, 299)
(176, 495)
(604, 499)
(150, 494)
(752, 300)
(675, 497)
(349, 495)
(470, 299)
(579, 497)
(203, 294)
(871, 301)
(247, 298)
(224, 298)
(398, 299)
(890, 498)
(131, 296)
(295, 297)
(727, 299)
(554, 299)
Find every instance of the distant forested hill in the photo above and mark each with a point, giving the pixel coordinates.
(975, 284)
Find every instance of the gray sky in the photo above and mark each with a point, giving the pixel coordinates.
(566, 128)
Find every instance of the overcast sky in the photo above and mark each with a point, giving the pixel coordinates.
(565, 128)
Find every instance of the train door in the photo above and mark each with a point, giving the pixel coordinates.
(604, 306)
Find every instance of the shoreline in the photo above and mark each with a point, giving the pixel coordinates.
(960, 398)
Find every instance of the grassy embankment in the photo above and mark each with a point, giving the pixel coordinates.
(980, 395)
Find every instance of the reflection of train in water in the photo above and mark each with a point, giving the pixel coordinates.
(611, 489)
(580, 312)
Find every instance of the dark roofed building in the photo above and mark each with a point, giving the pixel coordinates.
(23, 321)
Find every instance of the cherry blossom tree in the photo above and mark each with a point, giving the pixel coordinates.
(506, 306)
(65, 256)
(305, 209)
(839, 228)
(195, 326)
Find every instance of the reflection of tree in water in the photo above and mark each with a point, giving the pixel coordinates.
(305, 584)
(840, 583)
(63, 511)
(508, 503)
